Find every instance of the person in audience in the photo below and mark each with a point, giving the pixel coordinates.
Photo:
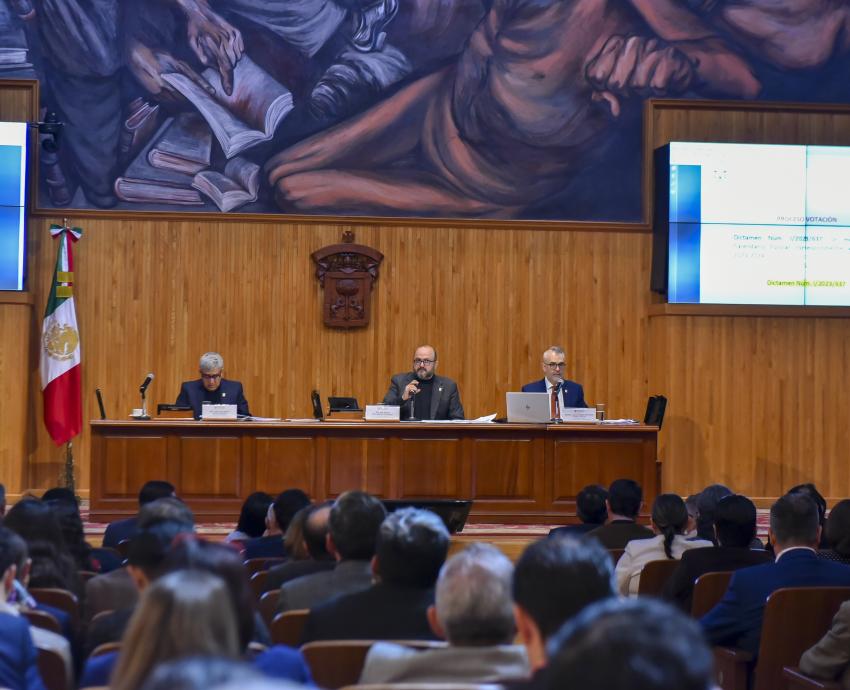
(734, 527)
(2, 500)
(838, 533)
(18, 657)
(591, 509)
(14, 600)
(629, 644)
(543, 601)
(118, 531)
(315, 535)
(115, 590)
(829, 658)
(623, 505)
(353, 525)
(669, 520)
(293, 537)
(693, 516)
(200, 673)
(252, 517)
(570, 393)
(181, 614)
(812, 492)
(707, 501)
(795, 534)
(473, 612)
(212, 388)
(52, 563)
(411, 548)
(59, 493)
(278, 517)
(85, 557)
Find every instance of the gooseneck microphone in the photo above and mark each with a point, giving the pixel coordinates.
(146, 383)
(412, 398)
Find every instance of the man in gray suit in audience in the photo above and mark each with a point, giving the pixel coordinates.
(473, 611)
(353, 529)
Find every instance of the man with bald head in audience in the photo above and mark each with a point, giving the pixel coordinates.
(353, 526)
(315, 542)
(473, 612)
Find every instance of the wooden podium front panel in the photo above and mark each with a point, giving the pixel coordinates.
(580, 461)
(209, 467)
(133, 460)
(428, 468)
(357, 463)
(285, 463)
(504, 469)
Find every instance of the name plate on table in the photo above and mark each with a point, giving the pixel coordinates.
(584, 415)
(383, 413)
(215, 412)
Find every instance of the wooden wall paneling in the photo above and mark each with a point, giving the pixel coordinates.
(16, 314)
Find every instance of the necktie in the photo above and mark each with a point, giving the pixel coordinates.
(553, 403)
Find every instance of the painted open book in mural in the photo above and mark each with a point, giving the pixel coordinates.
(515, 109)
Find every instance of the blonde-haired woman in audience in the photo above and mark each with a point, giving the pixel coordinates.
(185, 613)
(669, 521)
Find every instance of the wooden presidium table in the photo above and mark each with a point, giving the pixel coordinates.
(515, 473)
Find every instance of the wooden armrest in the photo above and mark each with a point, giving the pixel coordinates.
(732, 667)
(795, 679)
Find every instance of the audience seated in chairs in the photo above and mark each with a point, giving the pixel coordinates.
(707, 501)
(314, 533)
(67, 511)
(795, 533)
(252, 517)
(278, 517)
(120, 530)
(18, 656)
(14, 564)
(624, 500)
(735, 528)
(411, 548)
(812, 492)
(829, 659)
(201, 673)
(553, 580)
(473, 611)
(115, 590)
(629, 644)
(669, 520)
(591, 510)
(838, 533)
(352, 532)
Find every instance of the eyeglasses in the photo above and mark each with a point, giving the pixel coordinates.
(554, 365)
(424, 362)
(211, 377)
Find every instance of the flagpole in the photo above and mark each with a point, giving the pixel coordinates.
(67, 479)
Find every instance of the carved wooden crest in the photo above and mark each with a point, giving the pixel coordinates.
(347, 272)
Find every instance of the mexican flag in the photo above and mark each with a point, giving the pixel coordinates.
(60, 346)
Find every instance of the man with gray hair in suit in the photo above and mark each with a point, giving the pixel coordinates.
(473, 611)
(211, 388)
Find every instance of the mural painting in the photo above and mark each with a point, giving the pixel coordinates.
(509, 109)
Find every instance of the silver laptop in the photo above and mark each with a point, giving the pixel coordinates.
(529, 407)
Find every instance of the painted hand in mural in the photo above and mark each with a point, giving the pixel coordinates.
(637, 66)
(148, 66)
(215, 41)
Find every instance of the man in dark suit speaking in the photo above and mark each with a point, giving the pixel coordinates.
(569, 393)
(421, 393)
(211, 388)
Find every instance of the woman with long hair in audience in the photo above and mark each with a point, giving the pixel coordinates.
(52, 563)
(669, 521)
(838, 533)
(252, 517)
(71, 523)
(185, 613)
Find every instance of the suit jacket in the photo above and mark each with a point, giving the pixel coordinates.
(18, 658)
(192, 394)
(393, 663)
(572, 394)
(680, 587)
(120, 530)
(382, 612)
(311, 590)
(291, 570)
(639, 552)
(109, 592)
(573, 530)
(737, 619)
(265, 547)
(829, 659)
(616, 534)
(445, 398)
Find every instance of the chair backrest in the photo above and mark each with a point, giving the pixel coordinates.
(795, 679)
(105, 648)
(86, 575)
(123, 548)
(61, 599)
(654, 576)
(42, 619)
(258, 583)
(708, 591)
(53, 670)
(267, 606)
(616, 554)
(287, 627)
(255, 565)
(794, 619)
